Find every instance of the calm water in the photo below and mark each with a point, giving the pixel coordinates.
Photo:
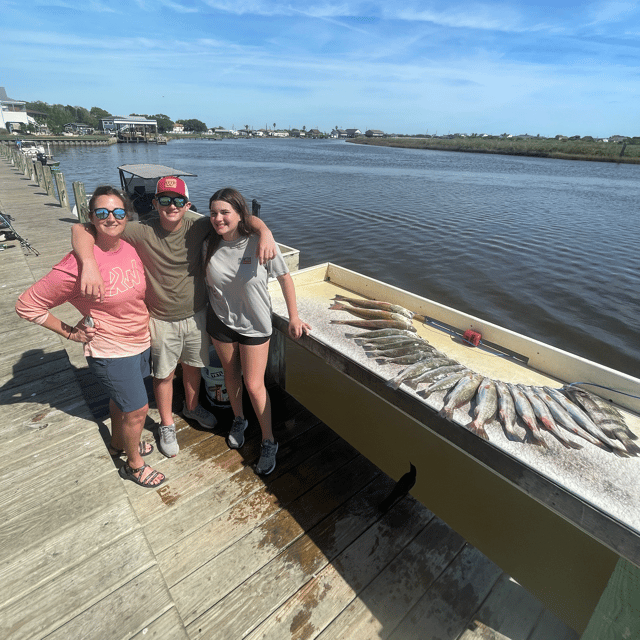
(546, 248)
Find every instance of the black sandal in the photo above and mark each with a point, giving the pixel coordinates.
(128, 473)
(142, 450)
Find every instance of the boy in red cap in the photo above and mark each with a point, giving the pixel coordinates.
(170, 248)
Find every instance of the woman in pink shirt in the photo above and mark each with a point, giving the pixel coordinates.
(116, 338)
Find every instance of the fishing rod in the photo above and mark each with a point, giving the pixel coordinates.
(7, 228)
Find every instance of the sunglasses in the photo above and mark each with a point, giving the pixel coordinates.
(103, 214)
(165, 201)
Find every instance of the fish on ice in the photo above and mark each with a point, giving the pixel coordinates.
(376, 304)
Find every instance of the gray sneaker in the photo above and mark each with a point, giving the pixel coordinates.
(235, 439)
(204, 417)
(168, 443)
(267, 462)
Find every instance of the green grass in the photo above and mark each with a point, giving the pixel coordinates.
(536, 147)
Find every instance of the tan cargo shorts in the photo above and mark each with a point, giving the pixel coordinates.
(176, 341)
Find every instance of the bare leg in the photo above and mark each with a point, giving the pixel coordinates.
(191, 377)
(126, 430)
(254, 364)
(163, 391)
(230, 359)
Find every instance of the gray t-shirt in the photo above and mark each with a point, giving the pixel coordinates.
(237, 285)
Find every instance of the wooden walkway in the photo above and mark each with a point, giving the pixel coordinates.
(216, 552)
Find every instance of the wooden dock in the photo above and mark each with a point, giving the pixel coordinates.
(216, 552)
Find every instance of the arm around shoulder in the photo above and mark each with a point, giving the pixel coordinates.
(266, 244)
(83, 241)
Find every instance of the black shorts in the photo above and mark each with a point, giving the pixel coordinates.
(220, 332)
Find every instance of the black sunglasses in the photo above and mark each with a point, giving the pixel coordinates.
(103, 214)
(165, 201)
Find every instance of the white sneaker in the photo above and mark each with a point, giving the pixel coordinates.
(168, 442)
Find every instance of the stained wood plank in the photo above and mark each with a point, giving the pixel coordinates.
(217, 578)
(217, 533)
(443, 611)
(327, 594)
(384, 603)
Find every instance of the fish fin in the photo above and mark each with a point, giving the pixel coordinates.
(478, 429)
(632, 448)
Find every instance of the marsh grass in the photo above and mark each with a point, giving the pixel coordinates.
(541, 148)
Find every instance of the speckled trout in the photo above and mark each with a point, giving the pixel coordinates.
(526, 412)
(370, 314)
(376, 304)
(461, 394)
(506, 410)
(486, 407)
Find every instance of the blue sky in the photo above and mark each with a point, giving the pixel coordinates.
(545, 68)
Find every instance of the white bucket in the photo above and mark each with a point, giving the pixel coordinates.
(213, 376)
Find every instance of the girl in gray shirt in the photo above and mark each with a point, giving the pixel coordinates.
(239, 318)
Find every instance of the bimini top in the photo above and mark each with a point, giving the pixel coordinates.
(150, 171)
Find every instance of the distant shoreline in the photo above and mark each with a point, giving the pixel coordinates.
(591, 151)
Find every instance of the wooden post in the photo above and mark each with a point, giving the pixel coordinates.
(61, 185)
(81, 201)
(276, 365)
(39, 174)
(48, 179)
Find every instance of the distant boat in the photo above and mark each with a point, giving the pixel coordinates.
(36, 153)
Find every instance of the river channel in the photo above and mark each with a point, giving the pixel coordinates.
(546, 248)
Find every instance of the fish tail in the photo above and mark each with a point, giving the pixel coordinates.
(632, 448)
(337, 305)
(394, 383)
(478, 429)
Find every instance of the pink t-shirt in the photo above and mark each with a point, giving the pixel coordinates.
(122, 319)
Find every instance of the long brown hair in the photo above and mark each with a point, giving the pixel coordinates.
(234, 198)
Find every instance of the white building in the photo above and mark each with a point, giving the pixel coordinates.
(13, 113)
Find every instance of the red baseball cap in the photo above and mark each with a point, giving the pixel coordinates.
(173, 184)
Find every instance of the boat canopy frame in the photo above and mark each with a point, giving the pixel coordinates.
(139, 181)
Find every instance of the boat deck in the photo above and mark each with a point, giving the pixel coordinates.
(216, 552)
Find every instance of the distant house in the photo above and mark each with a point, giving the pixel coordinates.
(219, 131)
(280, 134)
(352, 133)
(342, 133)
(13, 113)
(78, 128)
(314, 133)
(374, 133)
(178, 127)
(137, 125)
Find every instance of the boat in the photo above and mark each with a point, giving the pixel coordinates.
(36, 152)
(562, 512)
(139, 181)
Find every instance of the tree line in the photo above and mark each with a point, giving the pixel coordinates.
(55, 116)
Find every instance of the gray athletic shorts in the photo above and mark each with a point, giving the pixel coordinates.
(123, 378)
(176, 341)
